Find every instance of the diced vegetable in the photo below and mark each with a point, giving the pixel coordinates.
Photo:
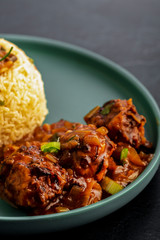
(51, 147)
(110, 186)
(61, 209)
(124, 154)
(134, 157)
(102, 130)
(106, 109)
(92, 112)
(92, 140)
(51, 158)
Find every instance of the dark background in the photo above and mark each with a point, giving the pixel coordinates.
(127, 32)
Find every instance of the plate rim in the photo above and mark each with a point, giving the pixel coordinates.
(131, 79)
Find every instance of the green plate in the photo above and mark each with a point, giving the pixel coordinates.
(75, 81)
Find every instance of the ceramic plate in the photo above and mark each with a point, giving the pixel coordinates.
(75, 81)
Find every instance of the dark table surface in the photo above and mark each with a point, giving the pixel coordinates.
(127, 32)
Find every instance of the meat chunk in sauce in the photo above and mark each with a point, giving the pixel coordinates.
(125, 171)
(28, 178)
(86, 149)
(122, 121)
(84, 191)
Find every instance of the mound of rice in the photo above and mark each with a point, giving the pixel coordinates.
(22, 92)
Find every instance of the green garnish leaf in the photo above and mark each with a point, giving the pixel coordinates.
(2, 103)
(51, 147)
(106, 109)
(7, 54)
(124, 154)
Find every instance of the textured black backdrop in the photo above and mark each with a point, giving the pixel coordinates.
(127, 32)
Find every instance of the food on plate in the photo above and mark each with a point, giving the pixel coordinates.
(66, 165)
(122, 120)
(53, 168)
(22, 98)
